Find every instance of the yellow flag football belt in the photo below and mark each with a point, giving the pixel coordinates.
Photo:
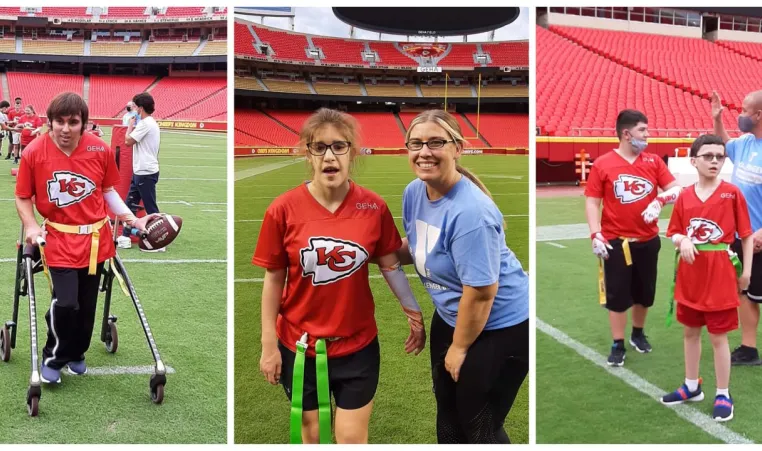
(602, 279)
(90, 229)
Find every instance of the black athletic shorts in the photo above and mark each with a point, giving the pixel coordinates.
(754, 293)
(352, 379)
(634, 284)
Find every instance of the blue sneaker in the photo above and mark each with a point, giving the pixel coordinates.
(682, 395)
(77, 368)
(50, 375)
(723, 408)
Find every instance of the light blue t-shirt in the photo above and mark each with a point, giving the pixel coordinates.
(746, 154)
(459, 240)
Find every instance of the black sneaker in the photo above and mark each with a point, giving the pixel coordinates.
(616, 358)
(640, 343)
(745, 355)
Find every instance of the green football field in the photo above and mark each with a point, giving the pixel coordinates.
(404, 409)
(183, 292)
(579, 399)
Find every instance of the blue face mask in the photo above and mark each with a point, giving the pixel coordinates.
(638, 145)
(746, 124)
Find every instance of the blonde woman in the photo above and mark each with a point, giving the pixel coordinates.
(456, 240)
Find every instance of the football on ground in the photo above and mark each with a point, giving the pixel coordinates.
(162, 230)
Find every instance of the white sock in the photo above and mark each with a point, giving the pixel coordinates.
(692, 384)
(724, 392)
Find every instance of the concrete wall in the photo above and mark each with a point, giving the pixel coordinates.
(623, 25)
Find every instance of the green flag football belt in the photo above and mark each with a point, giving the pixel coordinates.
(707, 247)
(323, 394)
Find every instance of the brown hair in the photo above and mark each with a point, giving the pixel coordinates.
(31, 108)
(68, 104)
(451, 126)
(343, 122)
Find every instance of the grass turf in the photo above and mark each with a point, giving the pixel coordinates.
(185, 305)
(578, 402)
(404, 397)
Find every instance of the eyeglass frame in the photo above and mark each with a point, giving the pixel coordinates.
(426, 143)
(328, 146)
(714, 156)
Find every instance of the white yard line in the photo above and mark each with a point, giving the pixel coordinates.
(120, 370)
(576, 231)
(246, 173)
(686, 412)
(560, 246)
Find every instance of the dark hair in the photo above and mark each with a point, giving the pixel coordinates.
(705, 140)
(17, 98)
(145, 101)
(628, 119)
(5, 104)
(68, 104)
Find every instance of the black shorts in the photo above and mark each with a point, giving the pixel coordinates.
(754, 293)
(634, 284)
(352, 379)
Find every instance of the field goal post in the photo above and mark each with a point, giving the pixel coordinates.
(478, 104)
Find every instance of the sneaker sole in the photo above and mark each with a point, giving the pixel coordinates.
(722, 420)
(49, 382)
(616, 364)
(73, 373)
(683, 401)
(642, 351)
(746, 362)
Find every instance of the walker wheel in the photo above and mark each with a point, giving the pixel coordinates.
(157, 394)
(112, 338)
(5, 344)
(33, 406)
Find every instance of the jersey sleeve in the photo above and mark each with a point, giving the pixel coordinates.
(743, 221)
(25, 177)
(663, 176)
(390, 240)
(140, 131)
(676, 220)
(112, 172)
(271, 250)
(594, 187)
(477, 256)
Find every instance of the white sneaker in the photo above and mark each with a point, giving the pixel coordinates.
(163, 249)
(123, 242)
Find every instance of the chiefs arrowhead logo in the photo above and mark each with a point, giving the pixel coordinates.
(629, 188)
(68, 188)
(703, 231)
(329, 259)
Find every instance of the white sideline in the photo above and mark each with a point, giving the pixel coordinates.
(120, 370)
(372, 276)
(576, 231)
(688, 413)
(560, 246)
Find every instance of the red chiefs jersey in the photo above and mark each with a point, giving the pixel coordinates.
(627, 189)
(30, 123)
(69, 190)
(709, 284)
(14, 113)
(326, 255)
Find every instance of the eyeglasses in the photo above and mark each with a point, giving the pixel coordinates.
(708, 157)
(416, 144)
(337, 147)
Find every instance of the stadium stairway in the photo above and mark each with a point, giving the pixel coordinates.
(153, 85)
(86, 90)
(279, 122)
(19, 44)
(193, 104)
(400, 123)
(143, 48)
(468, 122)
(87, 47)
(362, 87)
(4, 80)
(200, 47)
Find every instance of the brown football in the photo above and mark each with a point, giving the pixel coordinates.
(162, 230)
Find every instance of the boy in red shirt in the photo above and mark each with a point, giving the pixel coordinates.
(69, 176)
(704, 223)
(626, 238)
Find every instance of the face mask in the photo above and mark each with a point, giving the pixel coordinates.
(638, 145)
(745, 124)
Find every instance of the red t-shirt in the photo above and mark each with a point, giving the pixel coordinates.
(69, 190)
(327, 293)
(709, 284)
(30, 123)
(14, 113)
(627, 189)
